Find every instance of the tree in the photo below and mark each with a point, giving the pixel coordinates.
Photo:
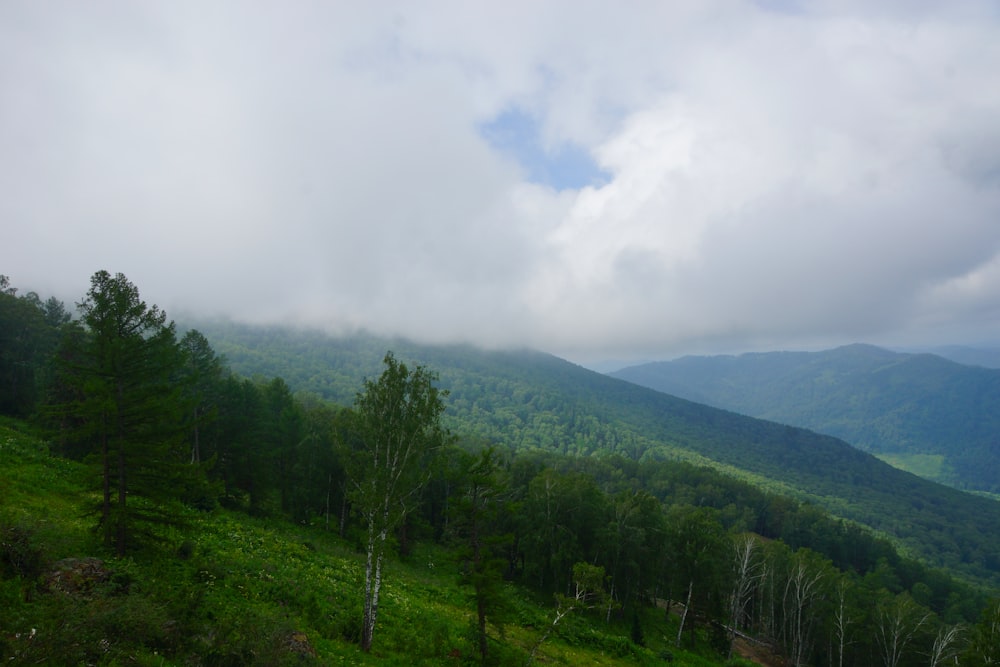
(747, 571)
(897, 620)
(632, 539)
(698, 547)
(804, 583)
(400, 419)
(28, 337)
(203, 371)
(127, 401)
(842, 618)
(587, 592)
(562, 517)
(238, 432)
(984, 642)
(476, 516)
(945, 647)
(283, 430)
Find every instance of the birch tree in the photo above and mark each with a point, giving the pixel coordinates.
(588, 592)
(803, 589)
(842, 619)
(748, 569)
(945, 647)
(896, 622)
(984, 642)
(400, 420)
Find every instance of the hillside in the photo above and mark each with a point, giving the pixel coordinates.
(970, 356)
(235, 590)
(935, 417)
(529, 400)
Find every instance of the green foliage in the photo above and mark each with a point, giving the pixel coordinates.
(29, 333)
(126, 401)
(20, 555)
(984, 643)
(399, 416)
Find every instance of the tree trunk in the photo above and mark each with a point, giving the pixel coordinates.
(120, 513)
(106, 481)
(687, 606)
(343, 512)
(196, 446)
(368, 618)
(329, 489)
(481, 613)
(373, 585)
(120, 522)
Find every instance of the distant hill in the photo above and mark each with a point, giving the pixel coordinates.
(922, 412)
(525, 399)
(970, 356)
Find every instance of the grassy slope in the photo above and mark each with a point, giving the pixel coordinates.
(249, 591)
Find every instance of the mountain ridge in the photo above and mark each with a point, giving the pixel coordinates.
(884, 402)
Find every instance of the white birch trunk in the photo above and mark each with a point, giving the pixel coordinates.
(687, 605)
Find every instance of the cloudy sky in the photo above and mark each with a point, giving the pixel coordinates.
(601, 180)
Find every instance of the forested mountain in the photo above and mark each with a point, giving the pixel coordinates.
(163, 504)
(988, 357)
(529, 400)
(935, 417)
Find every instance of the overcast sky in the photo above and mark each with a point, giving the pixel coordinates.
(626, 180)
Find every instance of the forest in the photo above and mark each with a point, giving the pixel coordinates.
(548, 530)
(935, 417)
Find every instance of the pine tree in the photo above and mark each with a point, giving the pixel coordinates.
(128, 407)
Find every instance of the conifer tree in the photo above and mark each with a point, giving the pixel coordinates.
(477, 519)
(128, 406)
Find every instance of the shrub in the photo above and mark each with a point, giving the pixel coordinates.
(19, 555)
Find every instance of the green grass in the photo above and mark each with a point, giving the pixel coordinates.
(234, 590)
(928, 466)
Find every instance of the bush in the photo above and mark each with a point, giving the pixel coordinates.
(19, 555)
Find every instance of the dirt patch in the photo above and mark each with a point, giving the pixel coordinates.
(762, 654)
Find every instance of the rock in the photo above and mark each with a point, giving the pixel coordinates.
(76, 576)
(298, 643)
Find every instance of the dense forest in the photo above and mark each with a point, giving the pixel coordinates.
(929, 415)
(533, 401)
(561, 519)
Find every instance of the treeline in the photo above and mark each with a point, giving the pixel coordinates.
(164, 421)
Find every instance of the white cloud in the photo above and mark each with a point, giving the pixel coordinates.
(781, 174)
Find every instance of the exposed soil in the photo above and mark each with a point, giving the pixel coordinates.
(759, 653)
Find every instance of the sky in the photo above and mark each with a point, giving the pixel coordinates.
(600, 180)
